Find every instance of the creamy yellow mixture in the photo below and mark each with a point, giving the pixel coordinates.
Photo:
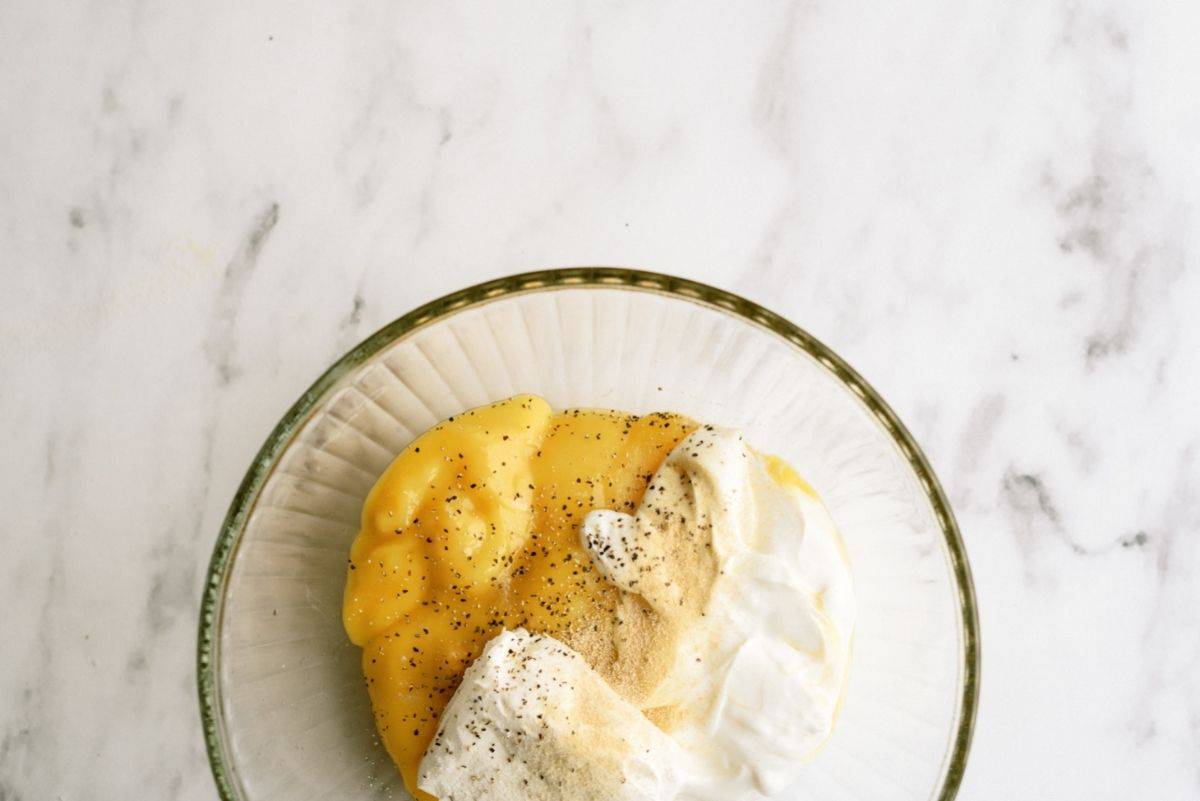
(474, 528)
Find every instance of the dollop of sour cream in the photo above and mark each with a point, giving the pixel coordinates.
(755, 685)
(532, 721)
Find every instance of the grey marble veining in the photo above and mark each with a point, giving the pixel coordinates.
(992, 210)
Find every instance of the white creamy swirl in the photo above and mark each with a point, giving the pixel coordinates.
(758, 675)
(532, 721)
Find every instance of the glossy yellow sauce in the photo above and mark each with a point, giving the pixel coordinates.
(784, 475)
(474, 528)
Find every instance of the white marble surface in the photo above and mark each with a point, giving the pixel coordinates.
(992, 209)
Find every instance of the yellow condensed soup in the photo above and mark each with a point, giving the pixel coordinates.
(474, 528)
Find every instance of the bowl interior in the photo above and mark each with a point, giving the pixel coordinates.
(286, 709)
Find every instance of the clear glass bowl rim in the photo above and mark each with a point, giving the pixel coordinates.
(212, 602)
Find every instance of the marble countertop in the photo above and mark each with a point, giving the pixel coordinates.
(992, 210)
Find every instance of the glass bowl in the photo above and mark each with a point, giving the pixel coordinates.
(284, 707)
